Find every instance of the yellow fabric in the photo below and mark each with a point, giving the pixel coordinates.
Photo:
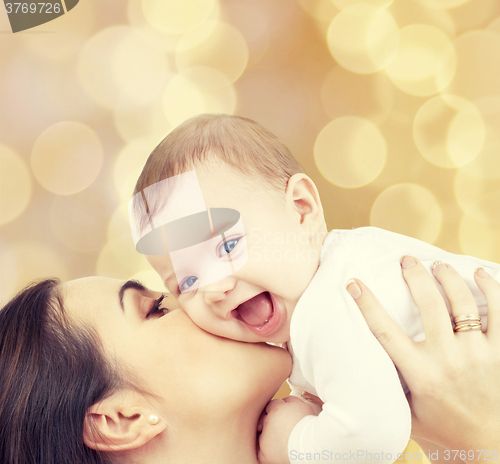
(412, 454)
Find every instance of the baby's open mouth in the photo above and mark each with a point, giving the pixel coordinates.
(257, 311)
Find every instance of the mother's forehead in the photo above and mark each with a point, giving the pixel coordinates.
(90, 283)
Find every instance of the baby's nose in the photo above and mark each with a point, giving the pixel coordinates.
(213, 296)
(218, 290)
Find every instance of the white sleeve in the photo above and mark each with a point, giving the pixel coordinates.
(382, 273)
(365, 415)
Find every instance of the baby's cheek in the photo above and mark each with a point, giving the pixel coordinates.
(199, 314)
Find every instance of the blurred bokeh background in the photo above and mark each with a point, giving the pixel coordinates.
(392, 107)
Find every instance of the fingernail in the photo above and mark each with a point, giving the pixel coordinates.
(353, 289)
(438, 265)
(482, 273)
(407, 262)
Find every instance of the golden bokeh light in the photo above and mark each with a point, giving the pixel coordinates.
(363, 38)
(409, 13)
(390, 104)
(15, 185)
(350, 152)
(35, 260)
(342, 4)
(143, 121)
(214, 44)
(55, 96)
(424, 53)
(478, 65)
(176, 17)
(469, 189)
(408, 209)
(474, 14)
(321, 10)
(480, 225)
(198, 90)
(449, 131)
(486, 165)
(79, 221)
(495, 25)
(479, 238)
(286, 105)
(119, 259)
(132, 68)
(369, 96)
(129, 164)
(485, 204)
(67, 157)
(247, 18)
(53, 47)
(8, 272)
(67, 37)
(139, 69)
(135, 15)
(119, 224)
(442, 3)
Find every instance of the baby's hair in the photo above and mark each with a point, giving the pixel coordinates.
(240, 142)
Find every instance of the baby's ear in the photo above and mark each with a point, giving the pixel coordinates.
(123, 421)
(302, 195)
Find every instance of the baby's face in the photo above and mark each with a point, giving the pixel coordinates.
(273, 259)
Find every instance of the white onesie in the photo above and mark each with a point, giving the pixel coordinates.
(365, 417)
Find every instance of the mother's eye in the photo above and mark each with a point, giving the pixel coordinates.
(156, 308)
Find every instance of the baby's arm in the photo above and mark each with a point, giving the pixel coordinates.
(280, 418)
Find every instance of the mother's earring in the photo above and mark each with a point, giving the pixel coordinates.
(153, 419)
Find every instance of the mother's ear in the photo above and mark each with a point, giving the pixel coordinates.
(123, 421)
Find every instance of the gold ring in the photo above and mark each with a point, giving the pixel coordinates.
(462, 323)
(466, 318)
(468, 327)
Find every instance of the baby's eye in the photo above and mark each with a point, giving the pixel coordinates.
(228, 246)
(187, 283)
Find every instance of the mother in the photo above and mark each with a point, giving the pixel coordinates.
(100, 371)
(96, 370)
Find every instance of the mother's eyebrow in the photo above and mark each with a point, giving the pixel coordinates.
(135, 284)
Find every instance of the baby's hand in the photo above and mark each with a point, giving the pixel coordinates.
(282, 416)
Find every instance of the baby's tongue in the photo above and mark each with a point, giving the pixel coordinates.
(257, 310)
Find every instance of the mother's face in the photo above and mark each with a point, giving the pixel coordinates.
(176, 360)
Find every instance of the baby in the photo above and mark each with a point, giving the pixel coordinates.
(268, 271)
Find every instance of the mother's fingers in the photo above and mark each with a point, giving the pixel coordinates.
(437, 324)
(461, 300)
(397, 344)
(491, 289)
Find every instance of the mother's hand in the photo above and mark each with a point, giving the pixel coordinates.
(454, 378)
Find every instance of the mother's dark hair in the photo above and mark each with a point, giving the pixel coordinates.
(51, 372)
